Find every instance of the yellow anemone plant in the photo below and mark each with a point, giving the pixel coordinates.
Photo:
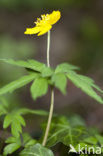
(44, 24)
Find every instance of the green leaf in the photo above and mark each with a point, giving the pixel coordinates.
(15, 143)
(4, 101)
(11, 148)
(75, 120)
(16, 121)
(36, 150)
(86, 84)
(65, 68)
(27, 140)
(47, 72)
(24, 111)
(99, 138)
(7, 121)
(91, 140)
(24, 140)
(16, 128)
(39, 88)
(12, 139)
(62, 131)
(17, 83)
(3, 106)
(60, 81)
(31, 64)
(30, 143)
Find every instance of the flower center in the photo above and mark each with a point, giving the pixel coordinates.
(43, 20)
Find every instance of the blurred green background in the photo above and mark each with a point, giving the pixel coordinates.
(77, 38)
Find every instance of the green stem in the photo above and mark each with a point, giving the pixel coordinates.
(48, 49)
(49, 119)
(52, 96)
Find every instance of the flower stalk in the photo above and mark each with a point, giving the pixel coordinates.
(44, 25)
(49, 118)
(48, 49)
(52, 95)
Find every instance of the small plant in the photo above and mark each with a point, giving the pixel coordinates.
(60, 129)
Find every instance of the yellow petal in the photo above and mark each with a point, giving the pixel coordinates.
(54, 17)
(44, 29)
(31, 31)
(44, 24)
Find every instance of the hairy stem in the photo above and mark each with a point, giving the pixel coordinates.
(52, 96)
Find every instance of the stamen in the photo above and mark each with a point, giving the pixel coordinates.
(43, 16)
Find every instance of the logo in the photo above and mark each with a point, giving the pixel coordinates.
(72, 149)
(80, 149)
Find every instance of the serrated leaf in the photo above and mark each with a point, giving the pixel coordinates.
(4, 101)
(24, 111)
(17, 83)
(36, 150)
(65, 68)
(47, 72)
(86, 84)
(91, 140)
(39, 88)
(60, 81)
(3, 109)
(62, 131)
(11, 139)
(20, 119)
(30, 143)
(99, 138)
(15, 121)
(16, 128)
(7, 121)
(11, 148)
(97, 88)
(3, 106)
(15, 143)
(75, 120)
(31, 64)
(25, 140)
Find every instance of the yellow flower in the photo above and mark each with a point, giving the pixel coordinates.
(44, 24)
